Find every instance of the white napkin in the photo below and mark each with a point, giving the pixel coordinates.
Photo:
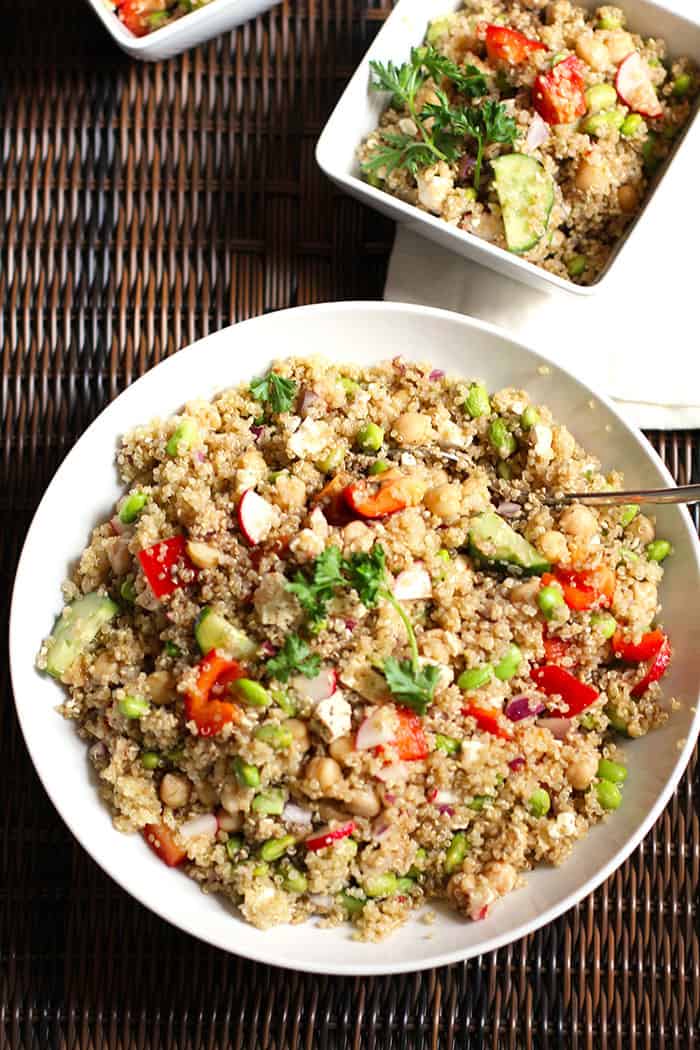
(638, 340)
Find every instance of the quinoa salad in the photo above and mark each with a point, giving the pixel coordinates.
(537, 126)
(142, 17)
(334, 656)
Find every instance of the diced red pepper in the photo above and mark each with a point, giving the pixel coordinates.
(331, 500)
(326, 836)
(656, 670)
(555, 649)
(162, 841)
(558, 96)
(166, 566)
(410, 738)
(636, 652)
(134, 14)
(487, 721)
(555, 681)
(375, 499)
(508, 45)
(590, 589)
(203, 703)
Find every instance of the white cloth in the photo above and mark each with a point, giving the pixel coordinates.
(638, 340)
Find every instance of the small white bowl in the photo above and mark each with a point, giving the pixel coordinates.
(83, 492)
(217, 17)
(358, 111)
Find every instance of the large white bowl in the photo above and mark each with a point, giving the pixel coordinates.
(83, 492)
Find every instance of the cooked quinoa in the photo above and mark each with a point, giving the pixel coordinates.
(334, 655)
(584, 109)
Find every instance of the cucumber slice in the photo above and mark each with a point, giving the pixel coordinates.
(213, 631)
(76, 628)
(492, 540)
(526, 195)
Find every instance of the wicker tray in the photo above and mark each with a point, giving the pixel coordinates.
(141, 207)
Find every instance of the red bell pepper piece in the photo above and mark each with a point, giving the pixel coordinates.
(635, 653)
(166, 566)
(410, 738)
(590, 589)
(161, 840)
(376, 499)
(203, 703)
(508, 45)
(558, 96)
(656, 669)
(133, 13)
(555, 649)
(331, 500)
(487, 721)
(555, 681)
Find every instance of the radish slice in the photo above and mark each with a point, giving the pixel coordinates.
(537, 133)
(203, 824)
(319, 688)
(293, 814)
(445, 797)
(635, 88)
(255, 516)
(394, 773)
(326, 835)
(375, 731)
(558, 727)
(412, 584)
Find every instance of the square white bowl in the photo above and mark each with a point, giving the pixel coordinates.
(217, 17)
(358, 111)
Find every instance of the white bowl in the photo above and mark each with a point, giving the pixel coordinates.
(217, 17)
(84, 491)
(358, 111)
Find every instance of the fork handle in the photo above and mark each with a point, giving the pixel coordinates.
(679, 494)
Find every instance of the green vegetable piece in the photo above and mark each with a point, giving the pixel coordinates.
(133, 707)
(278, 737)
(156, 19)
(529, 417)
(234, 845)
(539, 803)
(349, 385)
(332, 462)
(526, 195)
(412, 686)
(629, 513)
(352, 904)
(405, 884)
(294, 657)
(477, 403)
(128, 590)
(373, 179)
(493, 541)
(600, 97)
(610, 21)
(261, 869)
(502, 441)
(598, 123)
(380, 885)
(604, 623)
(438, 28)
(587, 721)
(246, 774)
(443, 554)
(504, 469)
(419, 862)
(132, 507)
(558, 57)
(609, 795)
(657, 550)
(273, 849)
(370, 437)
(275, 391)
(213, 631)
(612, 771)
(682, 85)
(549, 599)
(380, 466)
(251, 692)
(475, 677)
(151, 760)
(284, 701)
(75, 629)
(631, 125)
(269, 802)
(448, 744)
(175, 756)
(172, 650)
(616, 719)
(293, 880)
(183, 438)
(576, 265)
(456, 852)
(479, 801)
(509, 663)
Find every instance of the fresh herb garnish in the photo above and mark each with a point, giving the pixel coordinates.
(315, 591)
(278, 392)
(414, 687)
(366, 573)
(294, 657)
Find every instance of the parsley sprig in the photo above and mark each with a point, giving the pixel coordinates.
(294, 657)
(275, 391)
(315, 591)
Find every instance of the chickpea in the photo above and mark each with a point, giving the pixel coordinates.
(341, 749)
(325, 771)
(289, 493)
(578, 521)
(412, 428)
(501, 876)
(363, 803)
(444, 501)
(628, 197)
(206, 794)
(593, 51)
(233, 797)
(553, 545)
(299, 731)
(174, 790)
(581, 772)
(641, 529)
(161, 687)
(203, 555)
(591, 177)
(357, 537)
(331, 811)
(229, 821)
(619, 45)
(526, 591)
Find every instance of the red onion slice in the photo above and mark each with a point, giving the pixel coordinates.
(558, 727)
(508, 509)
(516, 763)
(294, 814)
(537, 133)
(437, 373)
(523, 707)
(202, 824)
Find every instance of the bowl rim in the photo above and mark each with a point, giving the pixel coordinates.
(409, 213)
(266, 954)
(164, 34)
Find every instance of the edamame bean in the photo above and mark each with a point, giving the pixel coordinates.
(657, 550)
(616, 719)
(600, 97)
(448, 744)
(349, 385)
(380, 885)
(477, 403)
(278, 737)
(251, 692)
(128, 590)
(380, 466)
(629, 513)
(370, 437)
(175, 756)
(246, 774)
(261, 869)
(576, 265)
(509, 663)
(234, 845)
(604, 623)
(172, 650)
(529, 417)
(475, 677)
(612, 771)
(269, 802)
(549, 599)
(608, 794)
(182, 438)
(133, 707)
(352, 904)
(273, 849)
(151, 760)
(610, 21)
(502, 441)
(598, 123)
(539, 803)
(293, 880)
(284, 701)
(682, 85)
(456, 852)
(416, 869)
(132, 507)
(405, 884)
(478, 802)
(332, 462)
(631, 125)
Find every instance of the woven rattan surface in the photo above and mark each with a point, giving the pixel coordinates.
(141, 207)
